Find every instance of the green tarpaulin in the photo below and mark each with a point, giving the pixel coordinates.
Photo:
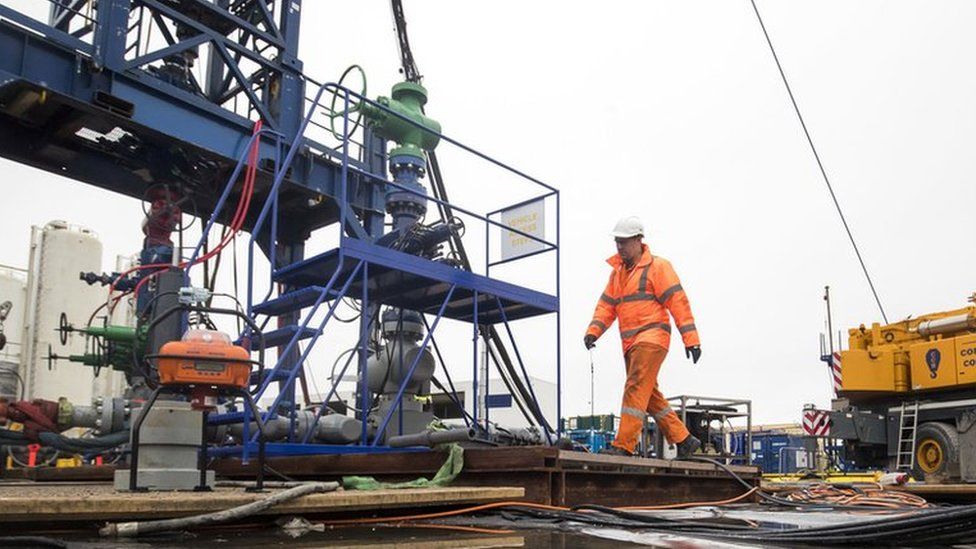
(445, 475)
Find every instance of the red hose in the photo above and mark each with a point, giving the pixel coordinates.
(240, 215)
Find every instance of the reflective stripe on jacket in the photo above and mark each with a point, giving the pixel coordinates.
(640, 298)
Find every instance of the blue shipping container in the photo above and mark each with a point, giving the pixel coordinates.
(777, 452)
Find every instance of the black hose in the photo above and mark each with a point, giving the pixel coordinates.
(82, 445)
(944, 526)
(656, 520)
(15, 438)
(31, 541)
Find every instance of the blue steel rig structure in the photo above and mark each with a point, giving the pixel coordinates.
(104, 93)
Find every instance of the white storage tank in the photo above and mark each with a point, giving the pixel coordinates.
(59, 252)
(13, 291)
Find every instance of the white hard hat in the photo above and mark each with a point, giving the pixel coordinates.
(627, 227)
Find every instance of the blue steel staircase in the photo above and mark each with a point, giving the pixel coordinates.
(373, 275)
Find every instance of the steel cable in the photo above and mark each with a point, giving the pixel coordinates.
(816, 156)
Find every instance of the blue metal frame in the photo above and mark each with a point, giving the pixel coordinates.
(413, 367)
(489, 298)
(71, 66)
(72, 71)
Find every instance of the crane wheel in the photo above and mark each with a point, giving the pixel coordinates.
(936, 450)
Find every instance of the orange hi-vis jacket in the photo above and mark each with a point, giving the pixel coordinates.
(640, 298)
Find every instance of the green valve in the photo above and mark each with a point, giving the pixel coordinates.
(408, 99)
(117, 353)
(88, 359)
(112, 333)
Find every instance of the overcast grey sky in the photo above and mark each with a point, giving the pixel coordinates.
(674, 111)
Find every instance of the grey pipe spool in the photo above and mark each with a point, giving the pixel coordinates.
(432, 438)
(386, 370)
(330, 428)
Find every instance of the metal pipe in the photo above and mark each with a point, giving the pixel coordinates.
(432, 438)
(956, 323)
(329, 429)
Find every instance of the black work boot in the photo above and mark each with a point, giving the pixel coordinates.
(615, 451)
(688, 446)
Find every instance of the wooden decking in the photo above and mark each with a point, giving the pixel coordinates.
(38, 502)
(537, 474)
(548, 475)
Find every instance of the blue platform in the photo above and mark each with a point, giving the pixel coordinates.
(418, 284)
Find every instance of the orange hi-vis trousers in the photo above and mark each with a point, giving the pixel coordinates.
(642, 397)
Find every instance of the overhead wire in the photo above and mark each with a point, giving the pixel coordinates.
(816, 155)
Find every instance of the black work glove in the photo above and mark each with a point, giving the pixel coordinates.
(589, 340)
(694, 353)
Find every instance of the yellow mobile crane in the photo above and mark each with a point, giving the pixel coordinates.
(906, 398)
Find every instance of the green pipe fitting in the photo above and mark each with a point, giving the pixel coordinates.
(112, 333)
(88, 359)
(408, 99)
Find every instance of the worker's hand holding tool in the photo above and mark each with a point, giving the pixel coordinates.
(589, 340)
(694, 353)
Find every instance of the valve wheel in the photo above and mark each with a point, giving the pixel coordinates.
(335, 98)
(929, 456)
(63, 329)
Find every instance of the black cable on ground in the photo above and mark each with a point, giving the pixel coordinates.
(775, 499)
(920, 527)
(83, 445)
(657, 520)
(31, 541)
(823, 171)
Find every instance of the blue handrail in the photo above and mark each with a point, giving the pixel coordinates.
(270, 207)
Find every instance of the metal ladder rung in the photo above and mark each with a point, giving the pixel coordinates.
(908, 425)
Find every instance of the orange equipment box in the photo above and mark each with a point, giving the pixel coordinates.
(204, 357)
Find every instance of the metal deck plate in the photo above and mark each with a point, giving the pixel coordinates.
(415, 283)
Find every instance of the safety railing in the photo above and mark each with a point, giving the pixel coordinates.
(547, 246)
(322, 135)
(286, 369)
(486, 218)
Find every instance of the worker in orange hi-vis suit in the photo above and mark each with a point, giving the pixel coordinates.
(642, 290)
